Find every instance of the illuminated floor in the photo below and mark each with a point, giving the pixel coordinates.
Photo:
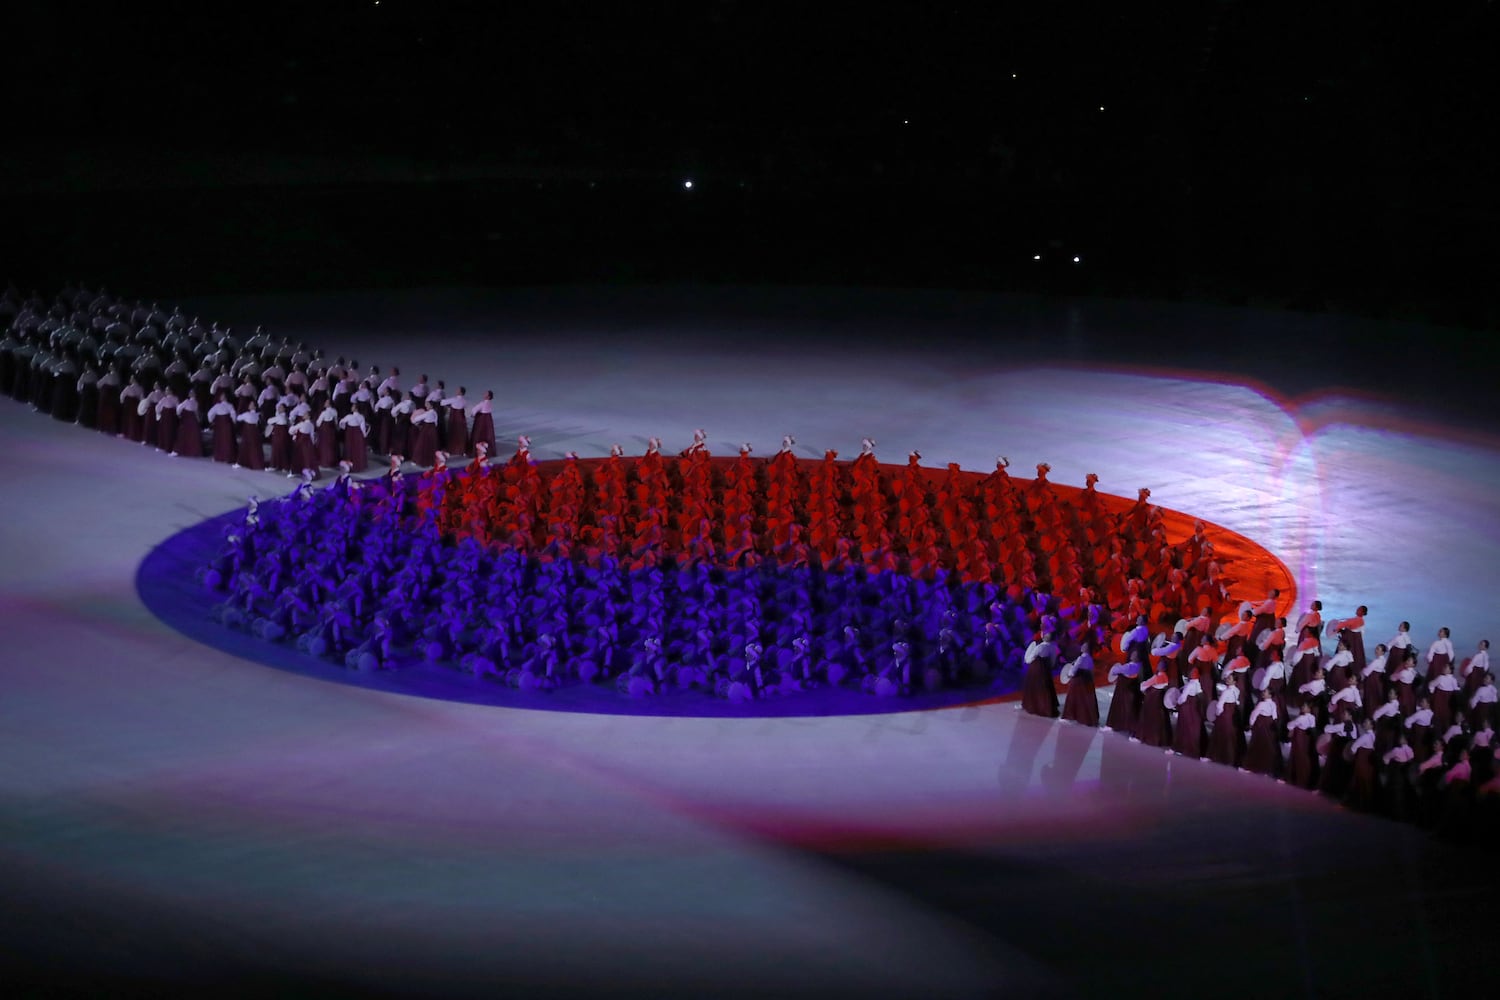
(168, 812)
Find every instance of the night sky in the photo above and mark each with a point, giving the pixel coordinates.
(1318, 155)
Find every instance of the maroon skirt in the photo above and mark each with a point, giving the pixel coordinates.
(355, 452)
(1364, 785)
(1189, 736)
(109, 412)
(1125, 706)
(224, 439)
(1439, 660)
(384, 424)
(1038, 695)
(1302, 762)
(304, 454)
(189, 441)
(166, 430)
(281, 448)
(1264, 754)
(132, 424)
(252, 454)
(1373, 691)
(1154, 728)
(401, 437)
(1081, 704)
(1442, 710)
(1356, 643)
(458, 432)
(484, 430)
(1224, 744)
(328, 444)
(424, 443)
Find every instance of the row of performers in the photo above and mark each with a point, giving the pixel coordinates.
(1330, 731)
(297, 434)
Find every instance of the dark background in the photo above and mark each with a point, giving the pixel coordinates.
(1311, 155)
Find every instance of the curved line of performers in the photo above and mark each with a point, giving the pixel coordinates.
(357, 572)
(1387, 731)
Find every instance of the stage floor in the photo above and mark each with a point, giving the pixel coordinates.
(171, 815)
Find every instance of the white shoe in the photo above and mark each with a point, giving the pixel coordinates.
(236, 465)
(1169, 752)
(1135, 739)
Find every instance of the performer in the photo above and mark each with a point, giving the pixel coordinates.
(355, 452)
(1364, 784)
(401, 435)
(304, 452)
(1475, 667)
(189, 441)
(327, 436)
(1264, 754)
(1189, 738)
(1081, 704)
(458, 424)
(1439, 654)
(221, 421)
(1125, 704)
(385, 419)
(484, 421)
(1038, 695)
(1302, 759)
(166, 420)
(1225, 743)
(1444, 692)
(280, 430)
(424, 431)
(1482, 703)
(1154, 727)
(251, 454)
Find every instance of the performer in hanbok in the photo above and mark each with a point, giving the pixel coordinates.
(132, 410)
(1038, 694)
(166, 420)
(1395, 650)
(1364, 781)
(1388, 722)
(1333, 776)
(1225, 743)
(458, 424)
(356, 453)
(1396, 793)
(1346, 698)
(1302, 757)
(279, 429)
(189, 442)
(1189, 736)
(1444, 694)
(1474, 668)
(424, 423)
(1419, 729)
(385, 421)
(1404, 682)
(1372, 678)
(401, 435)
(484, 421)
(304, 451)
(111, 413)
(1351, 632)
(1482, 703)
(1264, 753)
(1439, 653)
(326, 432)
(221, 422)
(1081, 705)
(1154, 727)
(1125, 703)
(1311, 623)
(251, 453)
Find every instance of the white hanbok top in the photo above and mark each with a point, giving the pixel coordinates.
(356, 419)
(1386, 708)
(1444, 682)
(328, 416)
(424, 417)
(188, 405)
(303, 426)
(250, 417)
(1480, 661)
(1485, 695)
(1340, 659)
(1267, 708)
(454, 402)
(1421, 717)
(1229, 696)
(1314, 687)
(1039, 649)
(1405, 675)
(483, 406)
(1084, 662)
(1443, 645)
(1349, 695)
(405, 406)
(1305, 720)
(1375, 666)
(1275, 670)
(1399, 755)
(1366, 741)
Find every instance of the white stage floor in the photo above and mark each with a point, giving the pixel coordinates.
(173, 814)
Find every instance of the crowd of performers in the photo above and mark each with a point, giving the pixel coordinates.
(746, 579)
(172, 383)
(1393, 728)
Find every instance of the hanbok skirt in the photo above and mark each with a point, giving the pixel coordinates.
(1302, 761)
(252, 454)
(166, 430)
(1420, 740)
(88, 406)
(1442, 710)
(108, 420)
(189, 442)
(1439, 660)
(1356, 643)
(424, 443)
(1264, 754)
(328, 444)
(1038, 695)
(1081, 704)
(1224, 743)
(1373, 691)
(223, 434)
(1189, 736)
(1335, 777)
(458, 432)
(281, 448)
(132, 424)
(355, 451)
(401, 437)
(1125, 706)
(1154, 727)
(1406, 696)
(148, 427)
(384, 425)
(484, 430)
(1364, 784)
(304, 454)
